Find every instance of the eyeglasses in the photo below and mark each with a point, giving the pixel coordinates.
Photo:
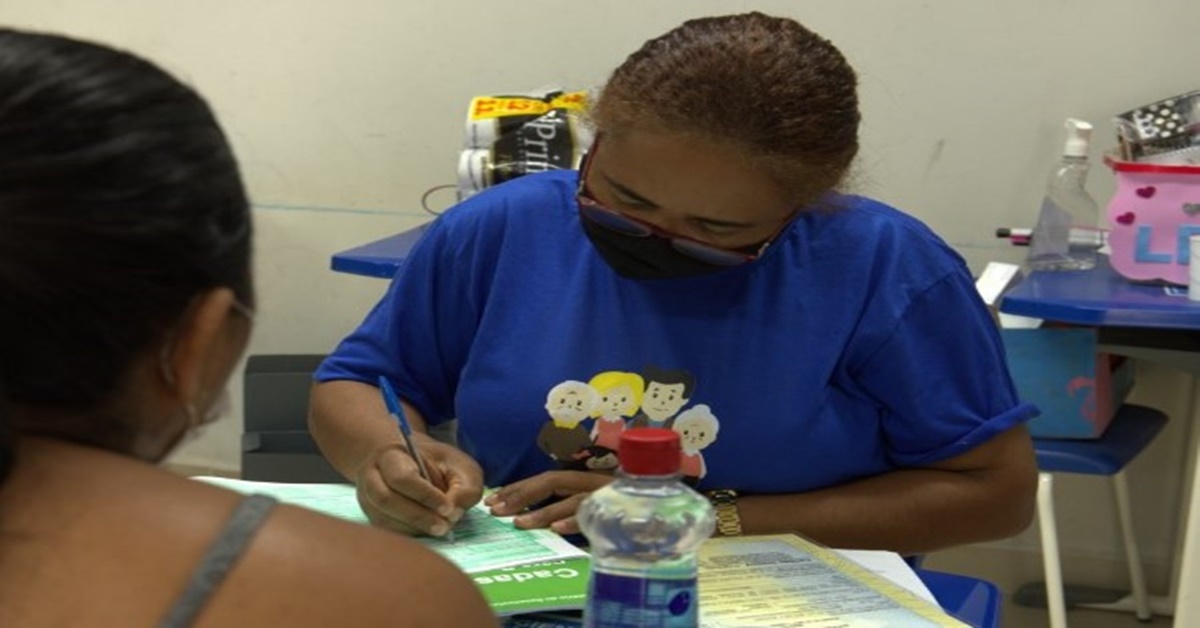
(164, 355)
(613, 220)
(243, 309)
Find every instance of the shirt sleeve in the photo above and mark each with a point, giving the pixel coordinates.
(941, 377)
(419, 334)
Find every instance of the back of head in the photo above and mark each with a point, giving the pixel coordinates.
(784, 94)
(120, 201)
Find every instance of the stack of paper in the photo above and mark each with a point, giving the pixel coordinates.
(783, 580)
(771, 580)
(517, 570)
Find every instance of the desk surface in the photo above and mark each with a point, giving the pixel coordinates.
(380, 258)
(974, 601)
(1099, 297)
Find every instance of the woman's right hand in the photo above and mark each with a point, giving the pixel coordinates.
(393, 494)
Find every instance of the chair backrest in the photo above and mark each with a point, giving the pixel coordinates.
(276, 444)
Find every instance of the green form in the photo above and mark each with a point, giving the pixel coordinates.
(335, 500)
(482, 542)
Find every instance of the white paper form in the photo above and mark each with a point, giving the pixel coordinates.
(891, 566)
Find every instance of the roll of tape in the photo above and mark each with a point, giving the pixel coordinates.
(474, 172)
(481, 133)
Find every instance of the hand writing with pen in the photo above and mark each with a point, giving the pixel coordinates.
(394, 495)
(424, 486)
(420, 486)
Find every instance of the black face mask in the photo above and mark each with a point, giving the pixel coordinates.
(649, 257)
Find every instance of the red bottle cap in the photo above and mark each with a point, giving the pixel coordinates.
(649, 451)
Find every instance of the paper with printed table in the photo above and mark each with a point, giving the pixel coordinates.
(783, 580)
(482, 542)
(769, 580)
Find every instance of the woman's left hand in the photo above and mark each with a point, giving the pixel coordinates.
(571, 486)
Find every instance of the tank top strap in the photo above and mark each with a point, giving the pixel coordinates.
(251, 513)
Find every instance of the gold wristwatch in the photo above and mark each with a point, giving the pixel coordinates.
(724, 502)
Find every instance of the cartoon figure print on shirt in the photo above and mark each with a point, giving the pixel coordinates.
(620, 396)
(563, 438)
(667, 392)
(654, 398)
(697, 429)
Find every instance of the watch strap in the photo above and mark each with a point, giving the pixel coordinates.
(724, 501)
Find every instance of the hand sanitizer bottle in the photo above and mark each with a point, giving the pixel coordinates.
(1067, 235)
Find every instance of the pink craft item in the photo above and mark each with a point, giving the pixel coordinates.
(1152, 213)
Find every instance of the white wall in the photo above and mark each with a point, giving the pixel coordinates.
(343, 113)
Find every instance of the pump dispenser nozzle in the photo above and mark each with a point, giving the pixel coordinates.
(1067, 233)
(1079, 136)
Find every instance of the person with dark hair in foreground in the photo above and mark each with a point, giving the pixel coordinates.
(125, 302)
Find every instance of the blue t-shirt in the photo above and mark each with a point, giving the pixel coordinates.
(856, 345)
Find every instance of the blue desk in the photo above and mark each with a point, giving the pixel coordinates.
(1143, 322)
(974, 601)
(380, 258)
(1100, 297)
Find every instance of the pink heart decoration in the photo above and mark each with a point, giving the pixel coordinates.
(1127, 218)
(1147, 192)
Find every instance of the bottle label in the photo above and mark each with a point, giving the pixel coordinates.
(616, 601)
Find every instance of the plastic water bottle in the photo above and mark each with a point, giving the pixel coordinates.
(644, 530)
(1067, 235)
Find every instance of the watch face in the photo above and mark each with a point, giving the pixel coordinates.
(722, 496)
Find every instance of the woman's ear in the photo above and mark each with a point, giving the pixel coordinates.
(198, 350)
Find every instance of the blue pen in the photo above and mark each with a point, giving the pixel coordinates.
(393, 405)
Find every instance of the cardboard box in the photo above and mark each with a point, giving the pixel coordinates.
(1059, 369)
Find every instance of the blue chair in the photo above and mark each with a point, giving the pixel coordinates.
(970, 600)
(1132, 429)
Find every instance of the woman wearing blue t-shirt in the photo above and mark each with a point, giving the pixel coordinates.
(824, 357)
